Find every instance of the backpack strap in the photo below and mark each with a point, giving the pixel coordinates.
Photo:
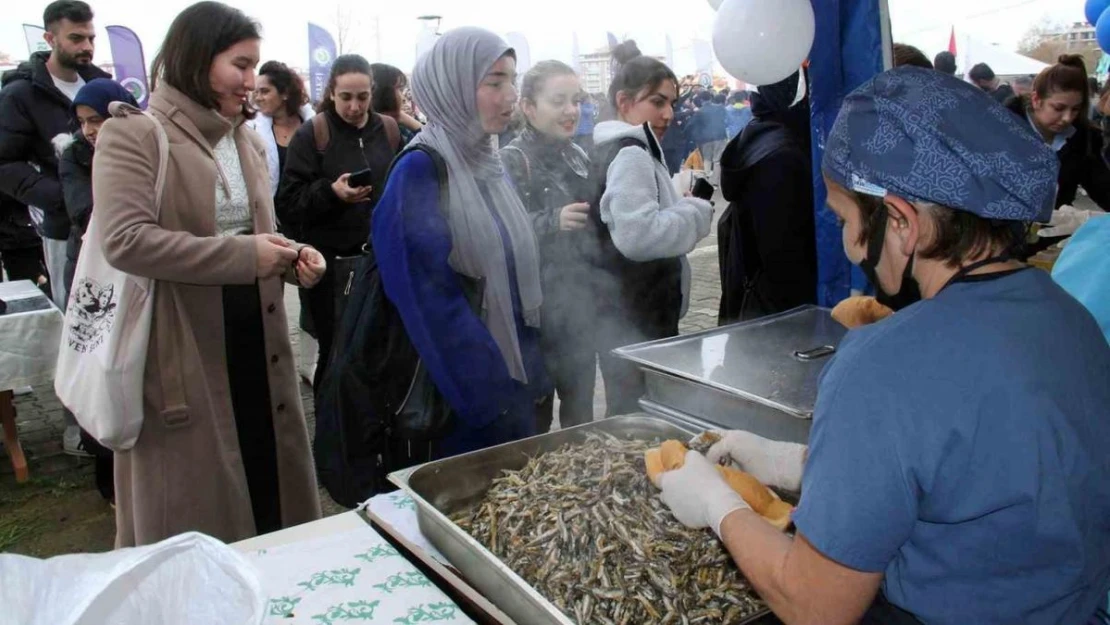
(321, 132)
(527, 163)
(437, 161)
(392, 132)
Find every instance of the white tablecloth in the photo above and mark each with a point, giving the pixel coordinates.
(352, 575)
(399, 510)
(28, 340)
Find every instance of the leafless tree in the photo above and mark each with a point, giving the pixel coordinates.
(346, 28)
(1045, 42)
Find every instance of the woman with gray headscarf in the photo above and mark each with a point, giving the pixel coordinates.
(487, 365)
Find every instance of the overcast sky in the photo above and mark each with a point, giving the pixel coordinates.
(547, 26)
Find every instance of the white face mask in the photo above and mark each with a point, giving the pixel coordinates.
(801, 88)
(798, 97)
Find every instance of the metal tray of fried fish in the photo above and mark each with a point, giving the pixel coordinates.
(444, 487)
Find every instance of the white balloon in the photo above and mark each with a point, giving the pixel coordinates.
(762, 42)
(716, 4)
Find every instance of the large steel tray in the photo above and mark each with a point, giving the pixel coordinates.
(758, 375)
(445, 487)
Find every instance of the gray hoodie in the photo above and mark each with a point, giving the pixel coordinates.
(646, 216)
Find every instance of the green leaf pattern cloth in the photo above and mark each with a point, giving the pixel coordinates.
(352, 578)
(399, 511)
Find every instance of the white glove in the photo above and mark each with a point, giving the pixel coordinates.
(775, 463)
(697, 494)
(1066, 220)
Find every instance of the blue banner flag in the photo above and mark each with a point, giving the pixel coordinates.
(130, 65)
(321, 55)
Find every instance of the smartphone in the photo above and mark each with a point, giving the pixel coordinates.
(360, 179)
(703, 190)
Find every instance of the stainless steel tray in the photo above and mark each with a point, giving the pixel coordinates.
(444, 487)
(759, 375)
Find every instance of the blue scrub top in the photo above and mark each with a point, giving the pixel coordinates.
(1083, 269)
(962, 447)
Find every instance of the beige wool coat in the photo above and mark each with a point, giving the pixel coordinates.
(186, 472)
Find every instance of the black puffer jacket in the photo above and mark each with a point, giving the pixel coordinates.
(306, 203)
(32, 113)
(1081, 163)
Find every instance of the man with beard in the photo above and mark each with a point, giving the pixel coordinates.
(36, 104)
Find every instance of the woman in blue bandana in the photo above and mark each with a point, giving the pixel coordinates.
(957, 469)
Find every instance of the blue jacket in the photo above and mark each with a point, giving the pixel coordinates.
(708, 124)
(587, 120)
(1083, 269)
(736, 119)
(412, 242)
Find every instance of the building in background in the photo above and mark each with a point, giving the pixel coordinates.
(1045, 42)
(1078, 38)
(596, 70)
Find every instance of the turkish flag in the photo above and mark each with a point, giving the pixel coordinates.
(952, 42)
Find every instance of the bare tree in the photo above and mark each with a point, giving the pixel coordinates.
(346, 28)
(1045, 41)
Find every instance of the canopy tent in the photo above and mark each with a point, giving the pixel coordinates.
(1002, 61)
(851, 45)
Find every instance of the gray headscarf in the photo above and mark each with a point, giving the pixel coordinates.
(445, 86)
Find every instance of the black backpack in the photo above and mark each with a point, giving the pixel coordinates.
(377, 410)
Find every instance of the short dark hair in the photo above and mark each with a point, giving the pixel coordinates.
(720, 98)
(981, 72)
(959, 234)
(73, 10)
(905, 54)
(344, 64)
(387, 79)
(287, 83)
(945, 63)
(195, 38)
(638, 74)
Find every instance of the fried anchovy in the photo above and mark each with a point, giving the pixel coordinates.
(585, 527)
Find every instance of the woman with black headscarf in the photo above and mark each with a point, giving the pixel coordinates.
(766, 236)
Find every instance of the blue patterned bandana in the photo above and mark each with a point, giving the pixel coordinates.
(929, 137)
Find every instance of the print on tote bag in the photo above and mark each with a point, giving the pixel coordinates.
(95, 313)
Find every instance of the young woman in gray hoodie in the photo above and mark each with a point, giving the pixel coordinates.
(645, 227)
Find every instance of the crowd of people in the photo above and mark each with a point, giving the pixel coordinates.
(519, 234)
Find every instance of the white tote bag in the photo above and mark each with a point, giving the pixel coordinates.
(103, 349)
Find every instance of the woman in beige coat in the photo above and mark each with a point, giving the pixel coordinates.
(224, 448)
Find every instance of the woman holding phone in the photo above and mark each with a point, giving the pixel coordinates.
(334, 174)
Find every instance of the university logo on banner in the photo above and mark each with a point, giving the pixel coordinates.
(321, 55)
(130, 64)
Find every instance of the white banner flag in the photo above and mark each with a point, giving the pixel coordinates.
(35, 42)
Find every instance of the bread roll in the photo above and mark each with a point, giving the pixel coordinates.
(754, 493)
(653, 458)
(674, 455)
(671, 455)
(860, 311)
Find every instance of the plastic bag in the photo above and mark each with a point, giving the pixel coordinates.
(185, 580)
